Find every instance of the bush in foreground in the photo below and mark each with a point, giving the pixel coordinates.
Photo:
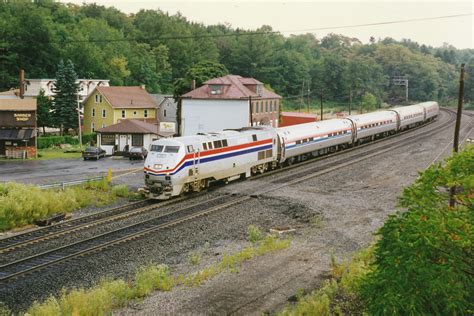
(424, 261)
(22, 204)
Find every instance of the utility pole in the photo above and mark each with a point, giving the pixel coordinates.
(250, 108)
(309, 104)
(452, 190)
(79, 120)
(350, 100)
(302, 95)
(321, 99)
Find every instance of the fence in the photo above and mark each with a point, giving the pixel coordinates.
(65, 184)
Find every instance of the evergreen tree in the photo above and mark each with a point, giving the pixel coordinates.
(44, 107)
(65, 96)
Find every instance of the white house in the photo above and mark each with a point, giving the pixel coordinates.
(228, 102)
(126, 134)
(86, 86)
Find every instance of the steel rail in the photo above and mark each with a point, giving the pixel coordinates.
(36, 262)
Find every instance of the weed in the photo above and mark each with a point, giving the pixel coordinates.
(120, 191)
(152, 277)
(194, 258)
(317, 221)
(254, 234)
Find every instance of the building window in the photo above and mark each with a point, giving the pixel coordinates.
(98, 98)
(103, 113)
(137, 140)
(164, 113)
(266, 106)
(93, 112)
(145, 113)
(107, 139)
(93, 127)
(123, 113)
(134, 113)
(103, 125)
(215, 89)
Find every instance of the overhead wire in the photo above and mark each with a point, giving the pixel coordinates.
(238, 33)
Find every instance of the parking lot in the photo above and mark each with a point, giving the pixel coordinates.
(61, 170)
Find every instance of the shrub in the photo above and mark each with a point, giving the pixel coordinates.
(254, 234)
(194, 258)
(120, 190)
(424, 260)
(152, 277)
(49, 141)
(22, 204)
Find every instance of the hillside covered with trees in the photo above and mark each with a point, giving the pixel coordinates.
(157, 49)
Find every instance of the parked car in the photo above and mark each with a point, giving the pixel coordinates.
(93, 153)
(137, 153)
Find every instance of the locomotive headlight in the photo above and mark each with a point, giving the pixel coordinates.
(158, 166)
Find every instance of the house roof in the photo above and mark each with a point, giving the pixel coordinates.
(130, 127)
(17, 104)
(126, 97)
(233, 87)
(160, 98)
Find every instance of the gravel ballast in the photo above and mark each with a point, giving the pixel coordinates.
(335, 214)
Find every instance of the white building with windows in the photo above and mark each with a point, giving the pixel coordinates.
(228, 102)
(121, 137)
(86, 86)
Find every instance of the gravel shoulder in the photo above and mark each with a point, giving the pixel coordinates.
(336, 214)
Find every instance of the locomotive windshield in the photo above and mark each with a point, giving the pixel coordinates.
(157, 148)
(171, 149)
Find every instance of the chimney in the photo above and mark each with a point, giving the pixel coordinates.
(193, 86)
(22, 83)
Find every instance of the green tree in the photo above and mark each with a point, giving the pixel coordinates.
(44, 108)
(200, 72)
(368, 102)
(424, 260)
(65, 96)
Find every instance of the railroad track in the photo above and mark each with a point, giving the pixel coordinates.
(56, 230)
(106, 240)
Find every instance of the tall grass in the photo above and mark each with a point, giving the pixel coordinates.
(22, 204)
(344, 283)
(111, 294)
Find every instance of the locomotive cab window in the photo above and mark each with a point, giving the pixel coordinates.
(190, 148)
(171, 149)
(204, 146)
(224, 143)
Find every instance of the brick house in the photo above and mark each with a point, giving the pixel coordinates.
(228, 102)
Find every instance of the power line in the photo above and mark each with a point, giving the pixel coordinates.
(246, 33)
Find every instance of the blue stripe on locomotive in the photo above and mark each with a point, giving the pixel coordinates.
(213, 158)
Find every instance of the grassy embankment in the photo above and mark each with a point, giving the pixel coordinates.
(112, 294)
(21, 204)
(422, 262)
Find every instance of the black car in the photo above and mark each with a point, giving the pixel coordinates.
(137, 153)
(93, 153)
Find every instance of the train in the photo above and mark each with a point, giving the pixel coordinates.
(178, 165)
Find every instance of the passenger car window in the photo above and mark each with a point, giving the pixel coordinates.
(217, 144)
(157, 148)
(224, 143)
(171, 149)
(204, 146)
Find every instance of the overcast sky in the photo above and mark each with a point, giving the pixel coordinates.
(292, 15)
